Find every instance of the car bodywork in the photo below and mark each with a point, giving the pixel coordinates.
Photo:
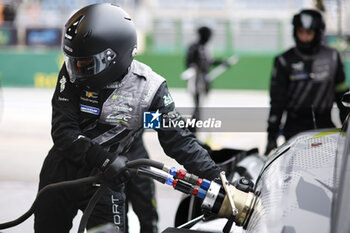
(304, 186)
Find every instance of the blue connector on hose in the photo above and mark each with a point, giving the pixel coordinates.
(169, 181)
(173, 171)
(200, 193)
(205, 184)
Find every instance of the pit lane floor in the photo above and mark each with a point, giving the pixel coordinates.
(25, 115)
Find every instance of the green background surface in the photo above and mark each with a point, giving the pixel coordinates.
(40, 67)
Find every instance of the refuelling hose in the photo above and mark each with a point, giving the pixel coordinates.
(64, 184)
(87, 180)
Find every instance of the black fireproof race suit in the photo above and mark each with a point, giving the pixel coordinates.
(198, 58)
(113, 118)
(305, 86)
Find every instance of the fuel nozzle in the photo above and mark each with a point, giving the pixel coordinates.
(219, 196)
(226, 201)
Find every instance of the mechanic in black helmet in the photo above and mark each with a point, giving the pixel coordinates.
(98, 105)
(306, 81)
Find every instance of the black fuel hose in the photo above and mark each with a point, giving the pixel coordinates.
(64, 184)
(91, 205)
(87, 180)
(145, 162)
(162, 178)
(132, 165)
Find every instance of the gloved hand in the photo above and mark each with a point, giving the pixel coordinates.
(113, 167)
(117, 172)
(271, 144)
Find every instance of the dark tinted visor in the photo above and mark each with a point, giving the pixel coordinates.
(82, 67)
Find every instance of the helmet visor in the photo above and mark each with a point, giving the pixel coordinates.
(83, 67)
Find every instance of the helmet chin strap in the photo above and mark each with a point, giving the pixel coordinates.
(306, 47)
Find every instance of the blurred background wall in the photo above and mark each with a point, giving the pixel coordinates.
(254, 30)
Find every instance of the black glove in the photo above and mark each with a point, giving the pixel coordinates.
(81, 145)
(113, 167)
(117, 172)
(271, 144)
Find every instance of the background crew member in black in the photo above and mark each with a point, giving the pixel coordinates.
(199, 57)
(98, 105)
(306, 81)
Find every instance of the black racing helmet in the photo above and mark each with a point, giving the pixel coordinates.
(99, 45)
(204, 33)
(309, 19)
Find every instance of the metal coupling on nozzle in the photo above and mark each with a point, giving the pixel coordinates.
(227, 201)
(243, 202)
